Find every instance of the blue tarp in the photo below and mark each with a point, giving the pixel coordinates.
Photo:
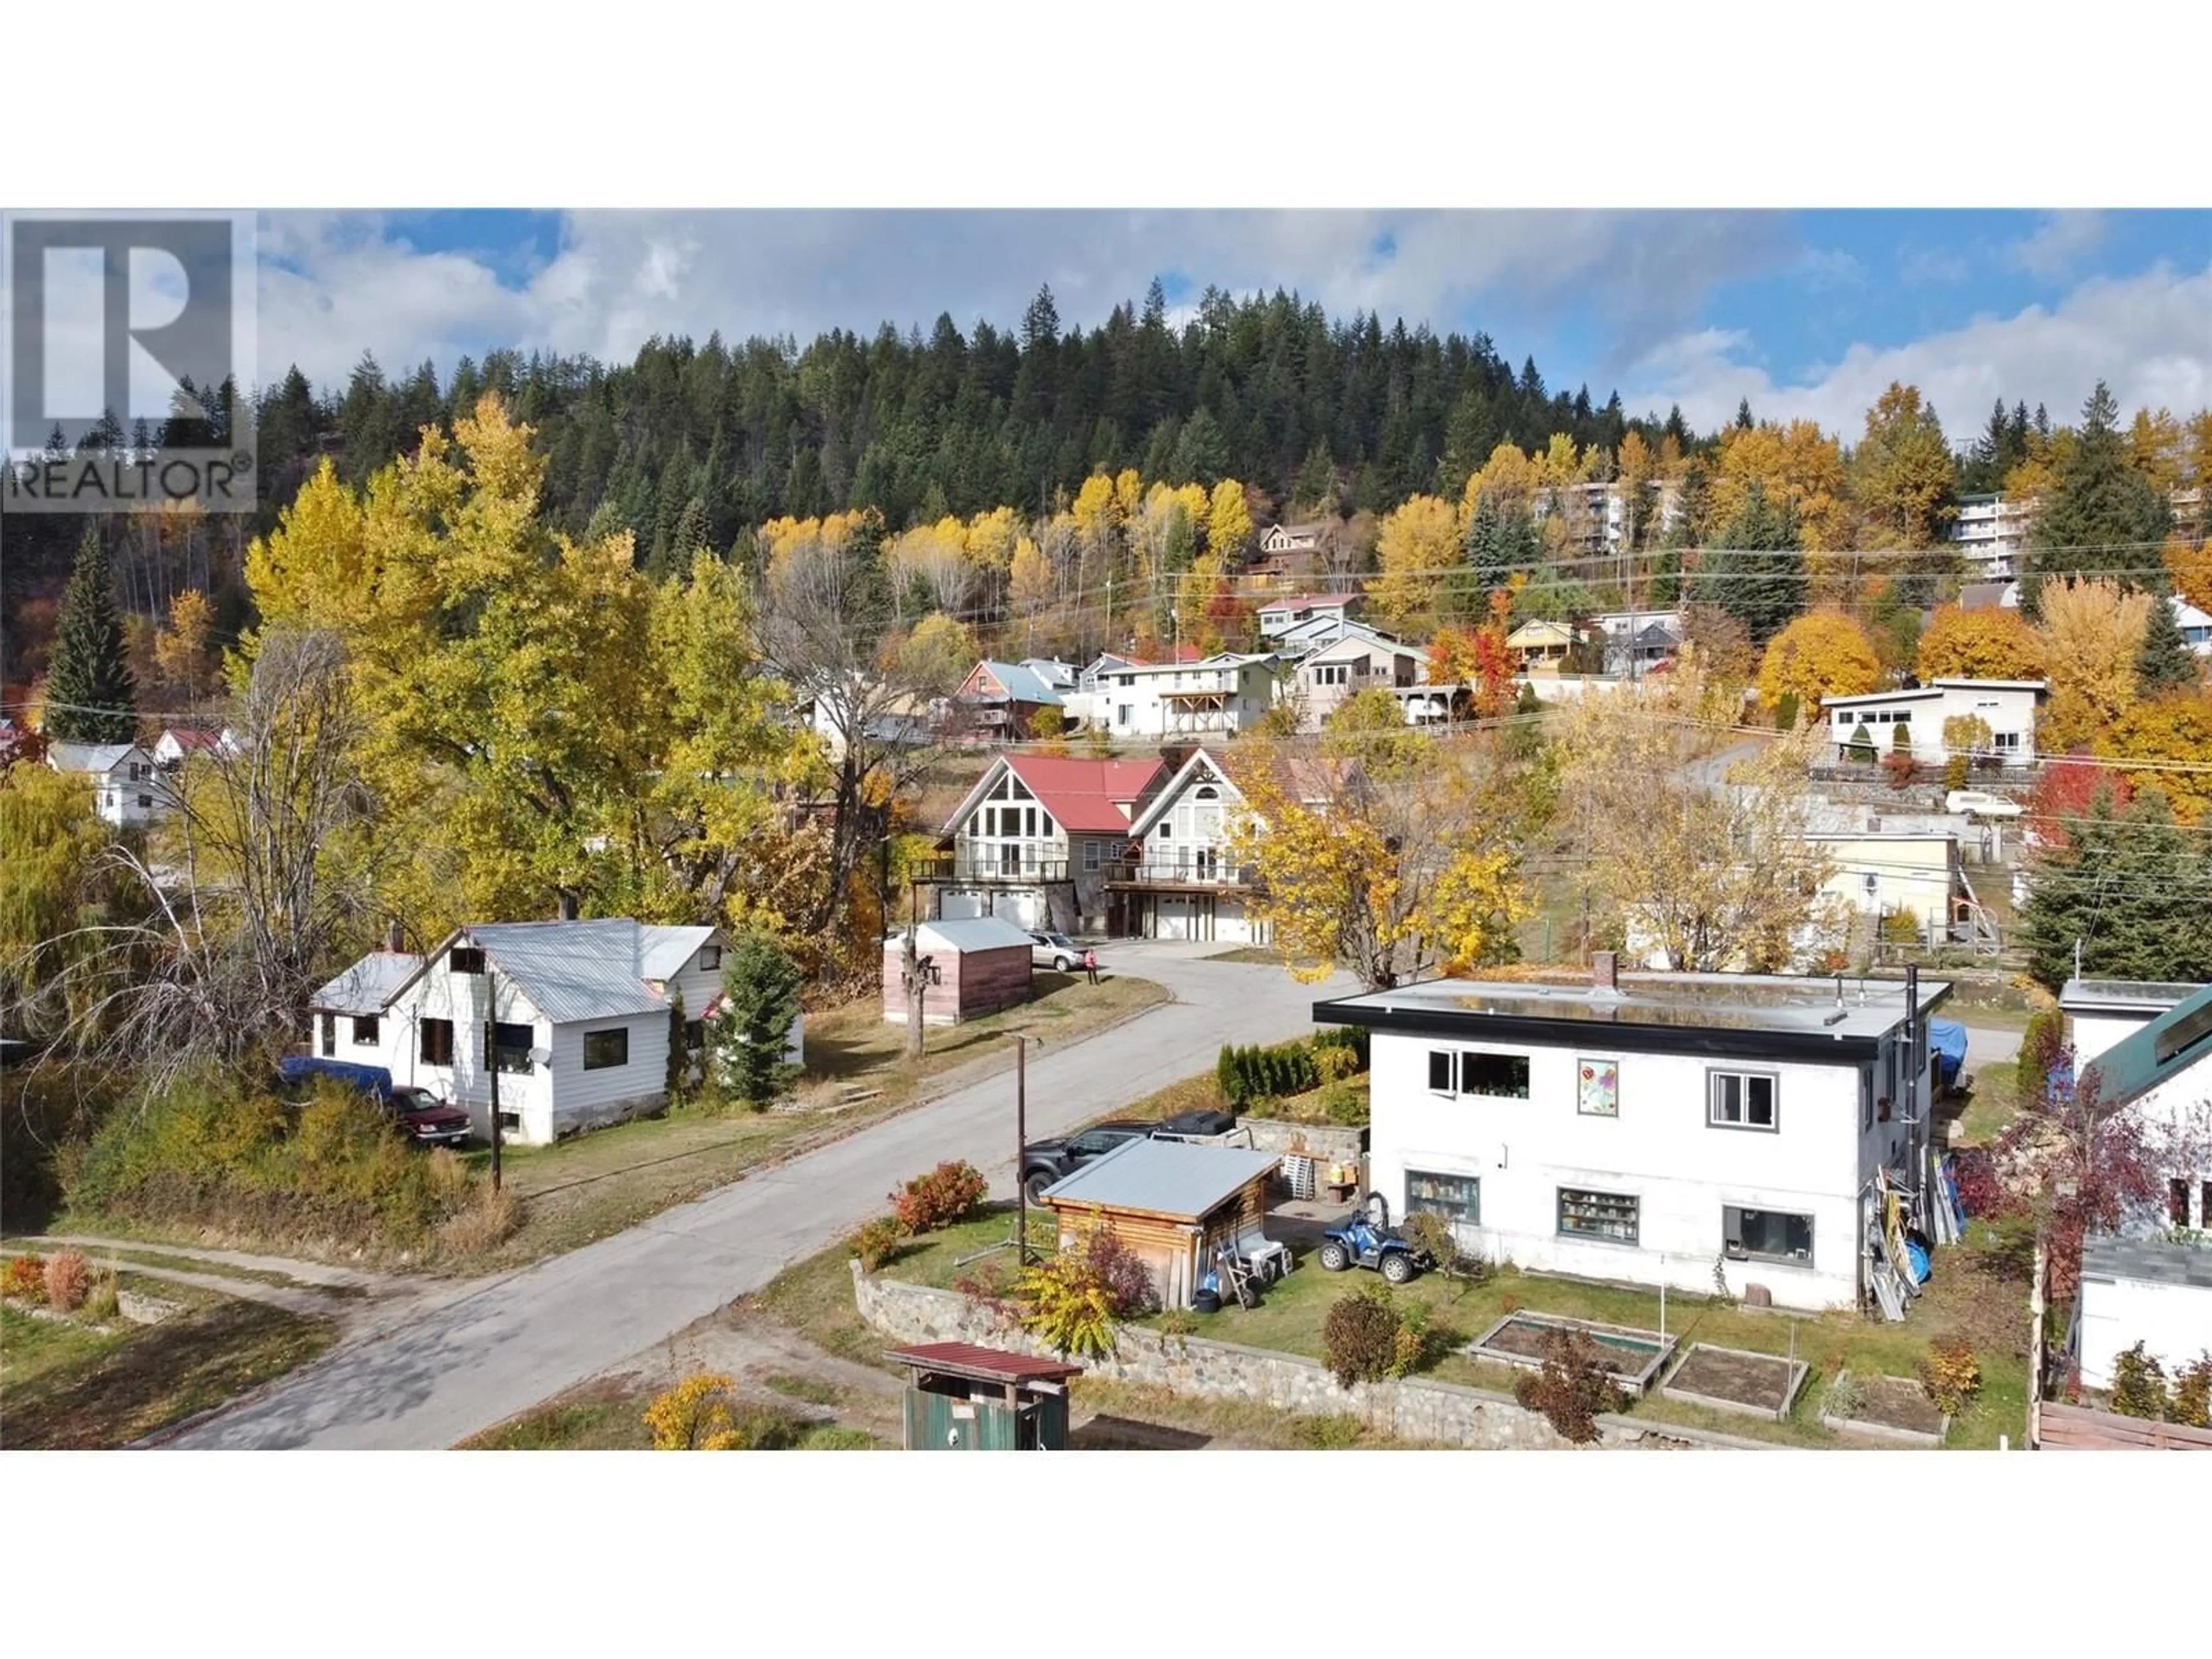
(1917, 1258)
(1947, 1037)
(305, 1068)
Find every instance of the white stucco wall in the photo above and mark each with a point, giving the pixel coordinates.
(1659, 1148)
(2173, 1321)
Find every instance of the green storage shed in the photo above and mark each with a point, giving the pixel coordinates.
(960, 1397)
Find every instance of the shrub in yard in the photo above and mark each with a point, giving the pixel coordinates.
(1333, 1063)
(1337, 1432)
(1950, 1374)
(2042, 1046)
(1129, 1281)
(1899, 768)
(105, 1299)
(1844, 1398)
(1431, 1232)
(25, 1278)
(2192, 1393)
(1359, 1338)
(488, 1220)
(1225, 1078)
(875, 1240)
(1064, 1301)
(1342, 1104)
(1178, 1322)
(1785, 712)
(697, 1414)
(947, 1193)
(1571, 1390)
(68, 1280)
(830, 1438)
(2139, 1385)
(1955, 771)
(1861, 746)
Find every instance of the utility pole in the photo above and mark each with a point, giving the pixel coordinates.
(491, 1055)
(1021, 1146)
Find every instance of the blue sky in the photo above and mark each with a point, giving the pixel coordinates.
(1806, 312)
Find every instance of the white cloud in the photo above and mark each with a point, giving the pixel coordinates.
(2060, 242)
(2150, 336)
(337, 284)
(1924, 265)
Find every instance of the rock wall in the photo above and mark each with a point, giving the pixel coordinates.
(1331, 1143)
(1414, 1409)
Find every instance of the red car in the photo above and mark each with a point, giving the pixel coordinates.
(429, 1121)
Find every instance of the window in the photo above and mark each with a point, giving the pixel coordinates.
(1766, 1235)
(1740, 1100)
(1089, 854)
(710, 957)
(2177, 1201)
(1611, 1216)
(507, 1047)
(364, 1029)
(1121, 713)
(605, 1048)
(2007, 741)
(1444, 1071)
(1167, 829)
(145, 801)
(1505, 1075)
(1455, 1198)
(437, 1043)
(330, 1025)
(1866, 1102)
(465, 959)
(1597, 1087)
(695, 1034)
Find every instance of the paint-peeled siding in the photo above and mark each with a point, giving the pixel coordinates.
(1659, 1148)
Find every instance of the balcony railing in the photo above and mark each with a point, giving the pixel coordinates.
(992, 863)
(1185, 870)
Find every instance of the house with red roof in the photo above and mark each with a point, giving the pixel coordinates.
(1036, 838)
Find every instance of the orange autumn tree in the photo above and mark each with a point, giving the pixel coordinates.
(1478, 658)
(1825, 654)
(1995, 644)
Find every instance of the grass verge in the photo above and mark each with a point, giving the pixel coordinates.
(74, 1387)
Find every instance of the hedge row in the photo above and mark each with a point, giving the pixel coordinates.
(1247, 1075)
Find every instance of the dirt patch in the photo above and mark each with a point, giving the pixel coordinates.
(1888, 1408)
(1759, 1382)
(1525, 1341)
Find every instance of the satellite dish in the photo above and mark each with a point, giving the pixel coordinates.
(541, 1056)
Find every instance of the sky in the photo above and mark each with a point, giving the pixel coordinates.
(1807, 313)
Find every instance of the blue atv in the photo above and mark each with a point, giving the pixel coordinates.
(1363, 1243)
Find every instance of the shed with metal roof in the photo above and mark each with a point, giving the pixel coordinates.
(961, 1397)
(1171, 1203)
(974, 966)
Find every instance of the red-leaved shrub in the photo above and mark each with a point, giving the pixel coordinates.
(1128, 1281)
(947, 1193)
(25, 1277)
(68, 1280)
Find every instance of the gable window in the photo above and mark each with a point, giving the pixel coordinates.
(1766, 1235)
(1167, 829)
(507, 1046)
(605, 1048)
(330, 1025)
(364, 1029)
(1614, 1218)
(1740, 1100)
(710, 957)
(465, 959)
(1455, 1198)
(437, 1047)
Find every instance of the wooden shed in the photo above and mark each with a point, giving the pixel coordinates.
(977, 967)
(960, 1397)
(1171, 1202)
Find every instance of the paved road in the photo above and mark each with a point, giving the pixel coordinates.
(505, 1345)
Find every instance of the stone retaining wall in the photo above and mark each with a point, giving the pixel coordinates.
(1414, 1409)
(1331, 1143)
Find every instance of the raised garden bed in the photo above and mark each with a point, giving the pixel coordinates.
(1887, 1409)
(1737, 1380)
(1631, 1357)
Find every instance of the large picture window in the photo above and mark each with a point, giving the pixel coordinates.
(1613, 1216)
(507, 1046)
(1455, 1198)
(1741, 1100)
(1505, 1075)
(605, 1048)
(1767, 1235)
(437, 1043)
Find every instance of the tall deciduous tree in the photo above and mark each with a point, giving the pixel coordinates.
(2175, 730)
(1419, 554)
(1902, 475)
(90, 696)
(1820, 655)
(1991, 644)
(2102, 516)
(2092, 635)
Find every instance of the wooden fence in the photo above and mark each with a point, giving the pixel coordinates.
(2079, 1428)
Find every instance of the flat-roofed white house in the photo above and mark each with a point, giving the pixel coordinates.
(2007, 707)
(1653, 1128)
(1885, 872)
(128, 789)
(562, 1010)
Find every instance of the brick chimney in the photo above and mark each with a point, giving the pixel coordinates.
(568, 912)
(394, 941)
(1604, 971)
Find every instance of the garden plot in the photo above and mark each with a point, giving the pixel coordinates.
(1633, 1357)
(1736, 1380)
(1884, 1408)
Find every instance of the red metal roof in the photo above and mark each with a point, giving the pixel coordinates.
(1080, 793)
(192, 738)
(991, 1364)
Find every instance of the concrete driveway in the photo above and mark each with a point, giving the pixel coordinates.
(500, 1346)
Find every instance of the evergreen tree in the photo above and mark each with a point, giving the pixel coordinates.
(746, 1035)
(2103, 517)
(2132, 888)
(1756, 573)
(1743, 414)
(90, 696)
(2165, 660)
(1316, 486)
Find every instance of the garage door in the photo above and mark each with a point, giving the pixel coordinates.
(1024, 909)
(1229, 922)
(960, 906)
(1175, 913)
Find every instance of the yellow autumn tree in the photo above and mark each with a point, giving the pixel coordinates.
(991, 537)
(1378, 855)
(1419, 545)
(2175, 728)
(1798, 463)
(1509, 479)
(2191, 566)
(1227, 523)
(1991, 644)
(2157, 448)
(2091, 632)
(183, 652)
(1820, 655)
(1030, 583)
(933, 567)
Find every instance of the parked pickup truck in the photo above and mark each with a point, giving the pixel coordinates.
(429, 1121)
(1044, 1162)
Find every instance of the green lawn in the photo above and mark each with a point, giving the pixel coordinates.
(1993, 1103)
(71, 1386)
(596, 1419)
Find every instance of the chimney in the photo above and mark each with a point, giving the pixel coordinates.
(567, 907)
(1604, 975)
(393, 940)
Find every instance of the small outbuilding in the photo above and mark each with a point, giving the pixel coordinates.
(1172, 1203)
(976, 966)
(960, 1397)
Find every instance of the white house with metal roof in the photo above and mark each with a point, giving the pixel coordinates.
(128, 789)
(1656, 1128)
(564, 1010)
(2008, 707)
